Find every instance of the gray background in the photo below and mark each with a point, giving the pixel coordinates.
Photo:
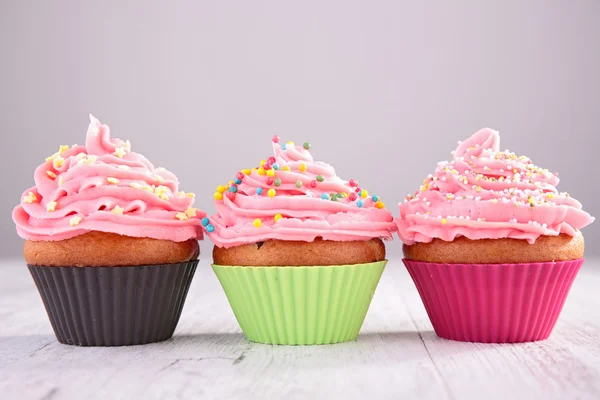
(383, 90)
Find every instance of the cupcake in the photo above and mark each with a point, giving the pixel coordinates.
(298, 250)
(110, 241)
(491, 245)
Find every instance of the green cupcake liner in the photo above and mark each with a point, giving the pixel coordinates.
(300, 305)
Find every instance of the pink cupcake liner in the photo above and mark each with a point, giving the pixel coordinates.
(494, 303)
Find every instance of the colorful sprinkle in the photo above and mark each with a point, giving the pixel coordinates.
(263, 162)
(218, 196)
(275, 166)
(444, 221)
(210, 228)
(246, 171)
(284, 147)
(313, 184)
(117, 210)
(191, 212)
(353, 183)
(375, 198)
(380, 204)
(257, 223)
(364, 194)
(268, 166)
(75, 220)
(233, 189)
(112, 180)
(271, 172)
(285, 168)
(237, 181)
(271, 160)
(352, 196)
(275, 139)
(325, 196)
(221, 189)
(360, 203)
(320, 178)
(271, 193)
(259, 191)
(302, 167)
(240, 175)
(51, 174)
(261, 171)
(277, 217)
(306, 145)
(230, 195)
(298, 183)
(333, 197)
(277, 182)
(205, 221)
(269, 181)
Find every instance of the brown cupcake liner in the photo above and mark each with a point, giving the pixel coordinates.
(114, 306)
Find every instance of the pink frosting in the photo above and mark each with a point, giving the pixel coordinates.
(487, 194)
(103, 186)
(346, 213)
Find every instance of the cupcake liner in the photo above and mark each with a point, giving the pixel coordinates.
(114, 306)
(494, 303)
(300, 305)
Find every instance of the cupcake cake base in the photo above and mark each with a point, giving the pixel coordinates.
(494, 303)
(114, 306)
(294, 305)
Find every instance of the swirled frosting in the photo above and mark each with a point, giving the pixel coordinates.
(104, 186)
(487, 194)
(292, 197)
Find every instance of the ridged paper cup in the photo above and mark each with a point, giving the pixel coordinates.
(300, 305)
(114, 306)
(494, 303)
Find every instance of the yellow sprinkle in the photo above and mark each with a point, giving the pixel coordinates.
(30, 198)
(63, 148)
(120, 152)
(75, 221)
(181, 194)
(51, 174)
(220, 189)
(550, 196)
(302, 167)
(380, 204)
(124, 167)
(514, 171)
(81, 156)
(159, 178)
(60, 180)
(192, 195)
(344, 194)
(257, 223)
(444, 221)
(90, 160)
(191, 212)
(246, 171)
(285, 168)
(277, 217)
(135, 185)
(181, 216)
(290, 143)
(271, 192)
(51, 206)
(454, 172)
(113, 180)
(530, 200)
(364, 194)
(52, 157)
(424, 188)
(271, 172)
(59, 161)
(117, 210)
(231, 183)
(218, 196)
(262, 163)
(261, 171)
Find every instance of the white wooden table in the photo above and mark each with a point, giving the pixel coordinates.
(397, 354)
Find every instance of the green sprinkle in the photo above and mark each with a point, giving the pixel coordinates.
(298, 183)
(320, 178)
(306, 145)
(277, 181)
(333, 197)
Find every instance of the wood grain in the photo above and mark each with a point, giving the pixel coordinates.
(396, 356)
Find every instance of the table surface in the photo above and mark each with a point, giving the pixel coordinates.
(397, 354)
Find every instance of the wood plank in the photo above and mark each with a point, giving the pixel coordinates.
(396, 355)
